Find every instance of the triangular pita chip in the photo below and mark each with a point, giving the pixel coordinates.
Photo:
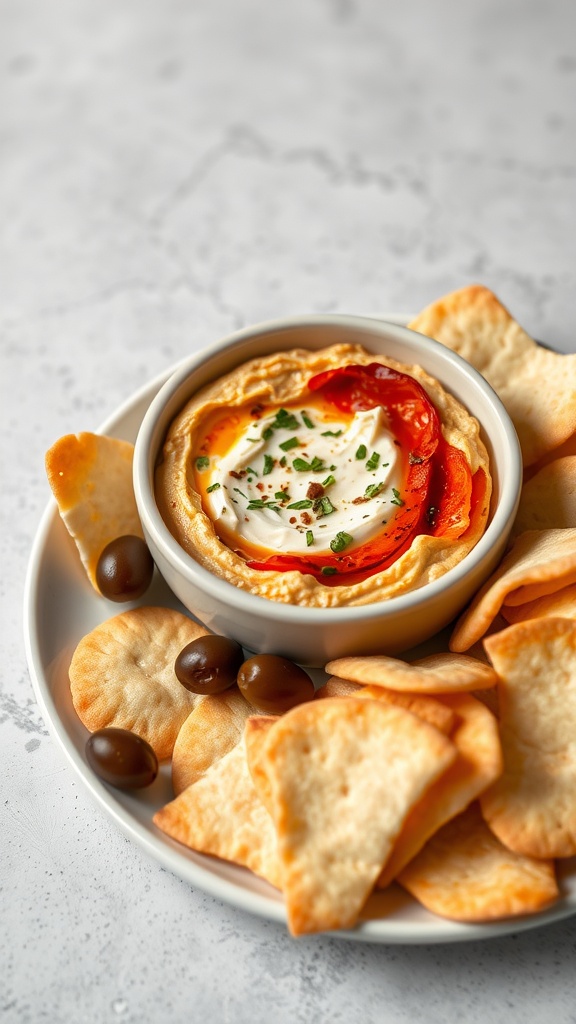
(540, 562)
(537, 386)
(464, 873)
(548, 499)
(91, 478)
(477, 765)
(532, 806)
(222, 815)
(342, 776)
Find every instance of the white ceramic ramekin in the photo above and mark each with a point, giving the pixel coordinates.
(312, 636)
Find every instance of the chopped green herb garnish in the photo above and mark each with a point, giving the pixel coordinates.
(307, 421)
(329, 481)
(301, 465)
(267, 433)
(305, 503)
(282, 496)
(331, 433)
(373, 461)
(258, 503)
(285, 420)
(213, 487)
(202, 462)
(283, 461)
(309, 538)
(252, 471)
(326, 506)
(238, 491)
(396, 500)
(341, 540)
(328, 570)
(292, 442)
(361, 452)
(268, 465)
(317, 464)
(372, 490)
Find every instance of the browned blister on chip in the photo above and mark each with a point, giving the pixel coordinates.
(537, 386)
(122, 675)
(342, 775)
(464, 873)
(478, 763)
(540, 562)
(222, 815)
(213, 727)
(91, 478)
(437, 673)
(532, 806)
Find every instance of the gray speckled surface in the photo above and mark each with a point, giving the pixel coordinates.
(171, 170)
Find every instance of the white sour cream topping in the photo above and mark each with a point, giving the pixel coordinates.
(338, 463)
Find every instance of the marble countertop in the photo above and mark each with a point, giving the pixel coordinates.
(172, 170)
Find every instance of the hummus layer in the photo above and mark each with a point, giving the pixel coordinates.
(280, 381)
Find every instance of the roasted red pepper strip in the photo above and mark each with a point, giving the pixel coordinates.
(437, 492)
(449, 514)
(415, 424)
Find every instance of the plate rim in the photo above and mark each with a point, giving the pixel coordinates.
(167, 852)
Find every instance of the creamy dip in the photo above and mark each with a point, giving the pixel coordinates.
(275, 482)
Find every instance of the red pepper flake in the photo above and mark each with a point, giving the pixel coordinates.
(315, 490)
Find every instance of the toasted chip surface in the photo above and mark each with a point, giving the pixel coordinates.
(122, 674)
(222, 815)
(91, 478)
(212, 728)
(343, 774)
(548, 499)
(426, 707)
(532, 806)
(561, 604)
(540, 562)
(537, 386)
(437, 673)
(478, 764)
(466, 874)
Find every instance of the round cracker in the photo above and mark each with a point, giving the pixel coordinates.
(437, 673)
(122, 675)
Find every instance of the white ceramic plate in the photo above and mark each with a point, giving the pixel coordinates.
(60, 608)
